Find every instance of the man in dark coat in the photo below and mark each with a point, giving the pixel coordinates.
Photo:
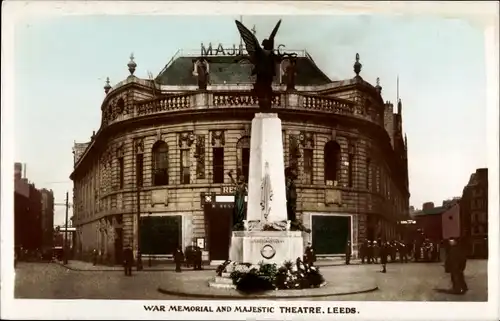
(197, 258)
(362, 251)
(309, 255)
(455, 265)
(383, 252)
(369, 252)
(348, 253)
(128, 260)
(178, 259)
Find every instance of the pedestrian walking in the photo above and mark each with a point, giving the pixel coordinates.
(348, 253)
(128, 260)
(376, 251)
(309, 255)
(178, 259)
(94, 257)
(383, 251)
(455, 264)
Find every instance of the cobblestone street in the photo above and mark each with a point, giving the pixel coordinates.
(411, 282)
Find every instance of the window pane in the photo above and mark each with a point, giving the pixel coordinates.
(185, 168)
(120, 172)
(218, 164)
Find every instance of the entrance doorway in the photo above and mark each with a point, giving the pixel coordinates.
(160, 235)
(218, 218)
(118, 246)
(330, 233)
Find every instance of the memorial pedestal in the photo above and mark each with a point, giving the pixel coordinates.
(266, 246)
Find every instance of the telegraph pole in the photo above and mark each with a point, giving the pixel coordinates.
(66, 231)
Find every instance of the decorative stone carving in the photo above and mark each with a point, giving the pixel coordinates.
(186, 139)
(306, 139)
(159, 197)
(200, 156)
(218, 138)
(333, 196)
(120, 150)
(201, 69)
(246, 131)
(139, 145)
(334, 134)
(119, 201)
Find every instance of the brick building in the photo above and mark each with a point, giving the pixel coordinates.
(172, 142)
(27, 213)
(435, 221)
(474, 214)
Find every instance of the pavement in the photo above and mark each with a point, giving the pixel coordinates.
(77, 265)
(402, 282)
(340, 280)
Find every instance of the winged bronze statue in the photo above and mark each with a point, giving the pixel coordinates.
(264, 60)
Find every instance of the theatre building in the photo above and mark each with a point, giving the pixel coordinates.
(154, 175)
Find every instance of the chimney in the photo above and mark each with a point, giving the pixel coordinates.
(18, 168)
(427, 206)
(24, 176)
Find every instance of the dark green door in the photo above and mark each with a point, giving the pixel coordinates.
(160, 234)
(330, 233)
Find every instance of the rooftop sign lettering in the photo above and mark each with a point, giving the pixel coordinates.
(235, 50)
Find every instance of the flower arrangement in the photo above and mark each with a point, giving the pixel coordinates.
(250, 278)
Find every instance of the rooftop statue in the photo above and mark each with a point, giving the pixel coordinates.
(264, 60)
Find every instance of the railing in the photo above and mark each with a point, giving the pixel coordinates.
(327, 104)
(208, 99)
(162, 104)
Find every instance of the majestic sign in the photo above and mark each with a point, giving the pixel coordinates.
(234, 51)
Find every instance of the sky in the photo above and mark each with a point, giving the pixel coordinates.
(61, 65)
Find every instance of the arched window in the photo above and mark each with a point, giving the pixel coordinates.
(160, 163)
(332, 162)
(243, 156)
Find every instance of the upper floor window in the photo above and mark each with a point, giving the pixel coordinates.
(120, 105)
(308, 165)
(331, 162)
(243, 156)
(160, 163)
(368, 172)
(139, 169)
(185, 167)
(218, 164)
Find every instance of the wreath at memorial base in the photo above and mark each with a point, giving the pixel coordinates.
(250, 279)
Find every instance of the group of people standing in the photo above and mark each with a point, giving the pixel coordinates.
(379, 250)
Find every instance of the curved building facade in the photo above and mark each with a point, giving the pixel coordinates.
(154, 176)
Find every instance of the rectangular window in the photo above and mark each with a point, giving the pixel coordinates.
(245, 164)
(139, 169)
(368, 172)
(218, 165)
(185, 168)
(120, 173)
(308, 166)
(350, 170)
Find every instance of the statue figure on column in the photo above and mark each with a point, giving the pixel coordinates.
(264, 60)
(240, 192)
(291, 200)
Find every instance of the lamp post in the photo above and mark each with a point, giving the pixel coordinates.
(139, 256)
